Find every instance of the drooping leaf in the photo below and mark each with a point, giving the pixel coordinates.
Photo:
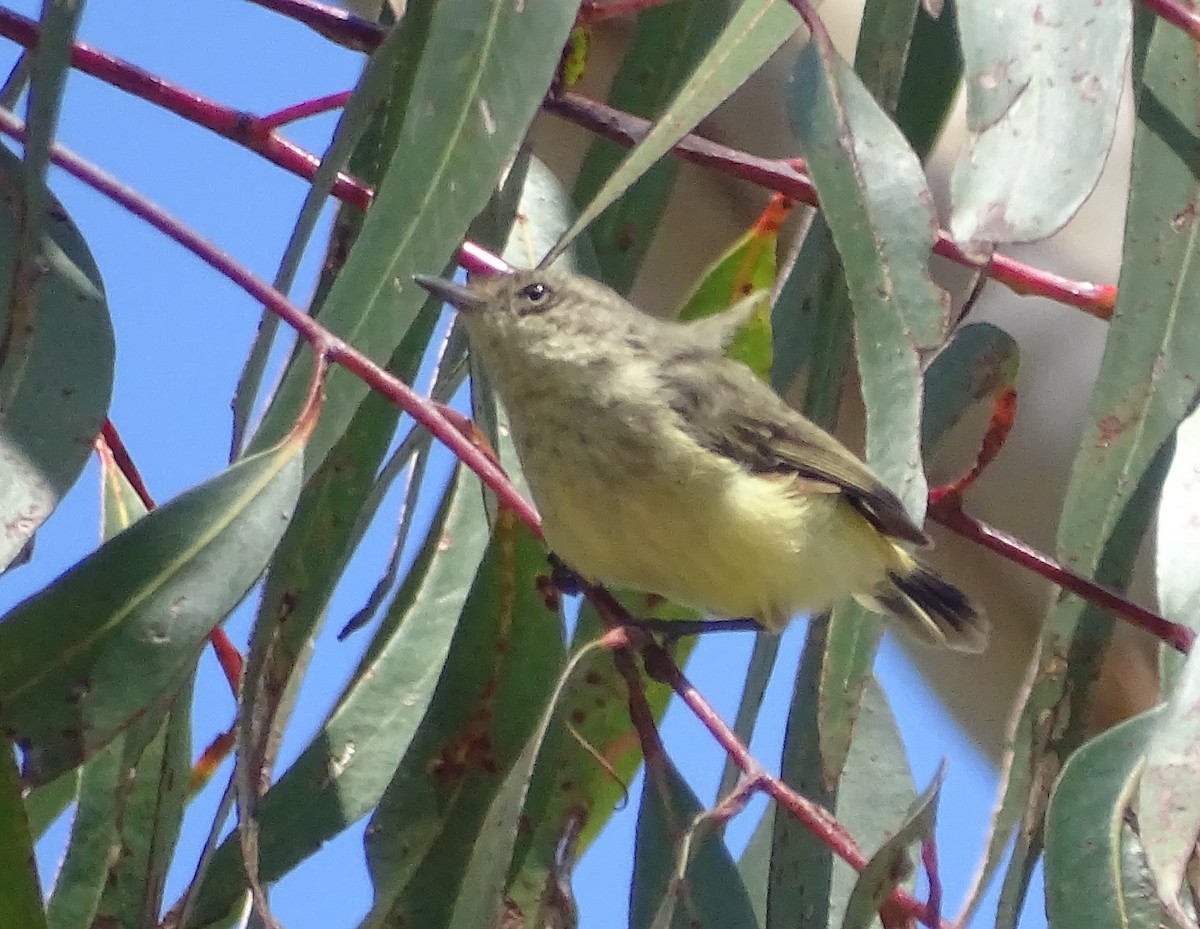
(20, 892)
(876, 200)
(377, 103)
(56, 365)
(1169, 792)
(666, 44)
(1089, 879)
(117, 633)
(1177, 558)
(475, 108)
(890, 866)
(754, 33)
(506, 654)
(342, 774)
(683, 875)
(1042, 102)
(1147, 384)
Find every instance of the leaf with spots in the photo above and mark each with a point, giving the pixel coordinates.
(118, 633)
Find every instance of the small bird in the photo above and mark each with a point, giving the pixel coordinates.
(662, 465)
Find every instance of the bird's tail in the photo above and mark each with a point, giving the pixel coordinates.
(930, 610)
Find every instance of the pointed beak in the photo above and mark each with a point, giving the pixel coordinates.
(459, 297)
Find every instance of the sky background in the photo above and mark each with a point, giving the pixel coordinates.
(182, 333)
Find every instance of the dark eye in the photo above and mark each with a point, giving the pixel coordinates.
(535, 297)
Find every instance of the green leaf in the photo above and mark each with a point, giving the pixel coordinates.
(56, 365)
(505, 656)
(872, 791)
(342, 774)
(1041, 102)
(978, 360)
(889, 867)
(475, 108)
(117, 633)
(683, 875)
(1169, 794)
(1147, 384)
(881, 56)
(378, 101)
(1089, 881)
(20, 892)
(574, 793)
(24, 327)
(666, 44)
(337, 504)
(131, 794)
(931, 79)
(747, 265)
(1177, 553)
(754, 33)
(875, 198)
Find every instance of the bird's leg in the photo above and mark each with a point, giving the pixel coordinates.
(564, 577)
(570, 584)
(674, 628)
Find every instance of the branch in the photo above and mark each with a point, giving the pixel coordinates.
(946, 508)
(324, 343)
(786, 177)
(246, 129)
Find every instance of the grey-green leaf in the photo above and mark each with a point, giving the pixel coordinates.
(1044, 82)
(875, 197)
(56, 379)
(83, 658)
(475, 107)
(683, 874)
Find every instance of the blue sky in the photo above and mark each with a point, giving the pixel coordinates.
(182, 333)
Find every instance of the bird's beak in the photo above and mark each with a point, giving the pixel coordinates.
(459, 297)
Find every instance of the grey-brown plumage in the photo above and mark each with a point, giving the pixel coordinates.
(659, 464)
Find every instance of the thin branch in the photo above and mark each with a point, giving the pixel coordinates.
(359, 34)
(258, 134)
(430, 415)
(947, 510)
(306, 109)
(238, 126)
(335, 24)
(787, 177)
(1177, 14)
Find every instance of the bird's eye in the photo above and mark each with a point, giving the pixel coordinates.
(536, 297)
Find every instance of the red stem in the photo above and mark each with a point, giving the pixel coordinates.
(947, 510)
(124, 463)
(323, 342)
(1177, 15)
(238, 126)
(305, 108)
(258, 134)
(786, 177)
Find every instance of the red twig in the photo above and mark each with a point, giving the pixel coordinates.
(305, 109)
(124, 463)
(335, 24)
(246, 129)
(323, 342)
(1177, 14)
(258, 134)
(929, 858)
(946, 508)
(787, 177)
(351, 32)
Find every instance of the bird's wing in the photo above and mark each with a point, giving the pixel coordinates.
(738, 416)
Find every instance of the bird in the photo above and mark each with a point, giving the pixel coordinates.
(660, 464)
